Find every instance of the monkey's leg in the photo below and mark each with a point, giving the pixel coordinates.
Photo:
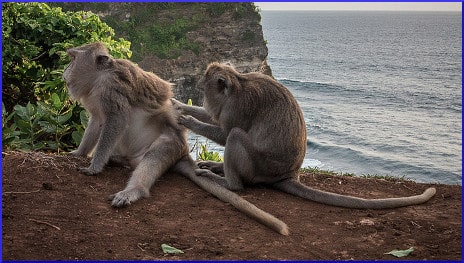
(238, 161)
(164, 153)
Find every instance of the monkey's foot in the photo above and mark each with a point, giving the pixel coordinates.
(212, 176)
(76, 153)
(215, 167)
(128, 196)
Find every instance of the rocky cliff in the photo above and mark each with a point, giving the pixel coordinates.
(178, 40)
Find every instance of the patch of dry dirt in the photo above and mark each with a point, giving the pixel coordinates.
(51, 211)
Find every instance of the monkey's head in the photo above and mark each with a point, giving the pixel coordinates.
(86, 64)
(220, 83)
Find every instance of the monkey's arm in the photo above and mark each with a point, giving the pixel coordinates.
(90, 138)
(210, 131)
(111, 133)
(198, 113)
(115, 108)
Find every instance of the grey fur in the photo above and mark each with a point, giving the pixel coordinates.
(132, 121)
(264, 133)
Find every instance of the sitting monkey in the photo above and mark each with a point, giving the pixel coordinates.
(264, 133)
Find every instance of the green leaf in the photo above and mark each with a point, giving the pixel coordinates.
(77, 136)
(20, 111)
(400, 253)
(47, 127)
(84, 117)
(30, 111)
(64, 118)
(52, 145)
(189, 102)
(170, 250)
(56, 100)
(23, 125)
(37, 146)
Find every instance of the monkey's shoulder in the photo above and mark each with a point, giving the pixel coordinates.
(141, 87)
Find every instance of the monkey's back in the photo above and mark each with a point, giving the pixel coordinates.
(142, 87)
(277, 125)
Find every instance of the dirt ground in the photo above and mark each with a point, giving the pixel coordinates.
(52, 212)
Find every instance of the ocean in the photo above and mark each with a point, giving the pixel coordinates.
(381, 92)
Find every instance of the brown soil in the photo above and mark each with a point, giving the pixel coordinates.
(51, 211)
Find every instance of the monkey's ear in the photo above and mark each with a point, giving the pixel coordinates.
(72, 52)
(102, 60)
(224, 82)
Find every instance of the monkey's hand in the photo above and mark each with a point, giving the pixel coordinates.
(178, 106)
(89, 170)
(187, 121)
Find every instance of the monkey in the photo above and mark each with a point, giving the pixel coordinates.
(263, 130)
(133, 122)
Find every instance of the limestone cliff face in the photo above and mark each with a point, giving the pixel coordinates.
(224, 32)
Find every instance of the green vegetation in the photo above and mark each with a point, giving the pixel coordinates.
(206, 155)
(153, 31)
(316, 170)
(390, 178)
(165, 40)
(36, 110)
(323, 172)
(249, 36)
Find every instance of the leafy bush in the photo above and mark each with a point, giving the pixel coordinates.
(206, 155)
(35, 38)
(42, 126)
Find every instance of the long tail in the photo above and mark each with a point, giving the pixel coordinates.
(186, 167)
(294, 187)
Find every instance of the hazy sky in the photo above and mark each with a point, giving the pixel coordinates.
(389, 6)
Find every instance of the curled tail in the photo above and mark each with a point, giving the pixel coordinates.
(294, 187)
(186, 167)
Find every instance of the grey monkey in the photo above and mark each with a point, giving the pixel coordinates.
(262, 127)
(132, 121)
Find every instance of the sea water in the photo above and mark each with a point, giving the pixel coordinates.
(381, 92)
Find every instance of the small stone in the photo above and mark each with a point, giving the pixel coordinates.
(47, 186)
